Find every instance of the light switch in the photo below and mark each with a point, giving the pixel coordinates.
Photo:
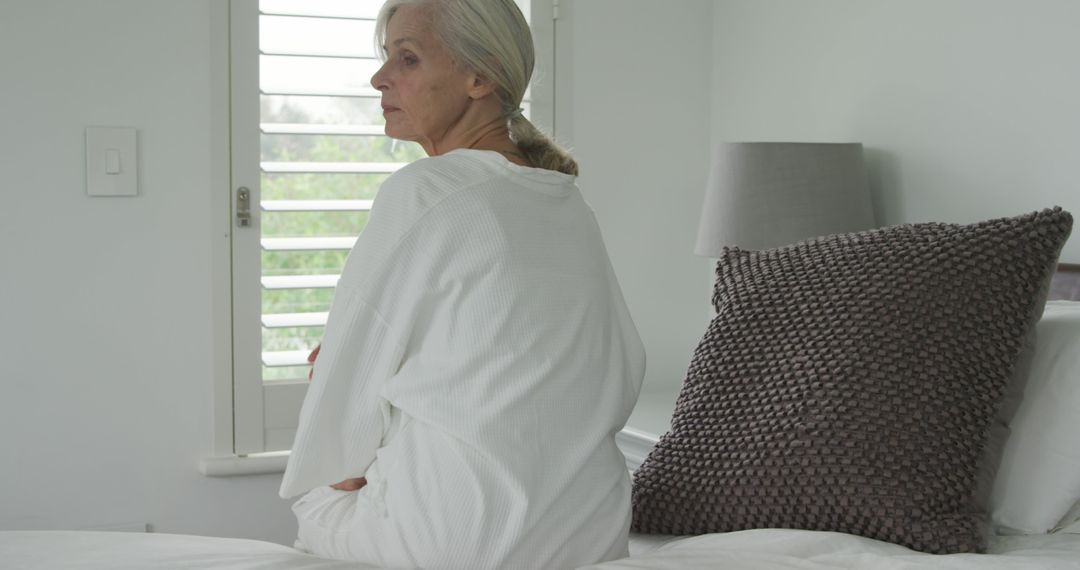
(112, 162)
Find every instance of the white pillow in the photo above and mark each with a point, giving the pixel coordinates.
(1039, 478)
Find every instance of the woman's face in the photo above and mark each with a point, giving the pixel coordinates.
(424, 94)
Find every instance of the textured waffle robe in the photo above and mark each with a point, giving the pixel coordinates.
(477, 363)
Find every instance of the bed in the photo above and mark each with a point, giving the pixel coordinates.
(761, 549)
(1057, 388)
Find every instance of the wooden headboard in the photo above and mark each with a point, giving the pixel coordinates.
(1066, 282)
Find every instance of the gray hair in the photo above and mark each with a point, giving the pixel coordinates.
(492, 38)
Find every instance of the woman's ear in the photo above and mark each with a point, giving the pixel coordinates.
(480, 86)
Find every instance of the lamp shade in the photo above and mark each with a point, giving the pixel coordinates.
(766, 194)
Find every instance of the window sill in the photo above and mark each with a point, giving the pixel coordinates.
(650, 418)
(253, 464)
(635, 445)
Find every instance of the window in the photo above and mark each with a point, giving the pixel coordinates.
(307, 157)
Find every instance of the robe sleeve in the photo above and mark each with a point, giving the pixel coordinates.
(343, 418)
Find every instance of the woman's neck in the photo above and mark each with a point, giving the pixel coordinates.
(492, 134)
(500, 142)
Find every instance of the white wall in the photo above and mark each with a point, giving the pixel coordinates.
(634, 106)
(108, 321)
(968, 108)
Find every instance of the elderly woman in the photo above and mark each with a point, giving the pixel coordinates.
(479, 357)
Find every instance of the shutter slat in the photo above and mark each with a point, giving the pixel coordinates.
(320, 129)
(332, 167)
(299, 281)
(284, 320)
(297, 90)
(285, 358)
(307, 244)
(326, 54)
(323, 15)
(316, 205)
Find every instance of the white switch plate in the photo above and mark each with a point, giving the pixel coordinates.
(111, 149)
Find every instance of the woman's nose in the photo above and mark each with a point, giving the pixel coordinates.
(378, 80)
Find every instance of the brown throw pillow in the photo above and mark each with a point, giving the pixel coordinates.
(853, 383)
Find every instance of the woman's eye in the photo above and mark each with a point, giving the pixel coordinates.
(408, 59)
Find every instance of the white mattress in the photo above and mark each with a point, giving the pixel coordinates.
(767, 549)
(759, 549)
(87, 550)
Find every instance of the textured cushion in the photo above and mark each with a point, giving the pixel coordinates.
(853, 382)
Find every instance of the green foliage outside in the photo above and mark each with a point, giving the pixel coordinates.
(310, 186)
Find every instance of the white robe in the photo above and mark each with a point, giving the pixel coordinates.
(477, 363)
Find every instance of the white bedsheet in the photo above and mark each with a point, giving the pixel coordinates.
(757, 549)
(767, 549)
(88, 550)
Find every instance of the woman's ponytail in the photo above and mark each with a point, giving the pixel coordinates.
(539, 150)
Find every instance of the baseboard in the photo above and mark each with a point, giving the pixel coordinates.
(121, 527)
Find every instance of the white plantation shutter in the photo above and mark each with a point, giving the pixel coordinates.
(309, 150)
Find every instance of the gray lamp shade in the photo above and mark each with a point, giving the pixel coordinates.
(767, 194)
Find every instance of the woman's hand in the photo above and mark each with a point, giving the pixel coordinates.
(350, 484)
(311, 359)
